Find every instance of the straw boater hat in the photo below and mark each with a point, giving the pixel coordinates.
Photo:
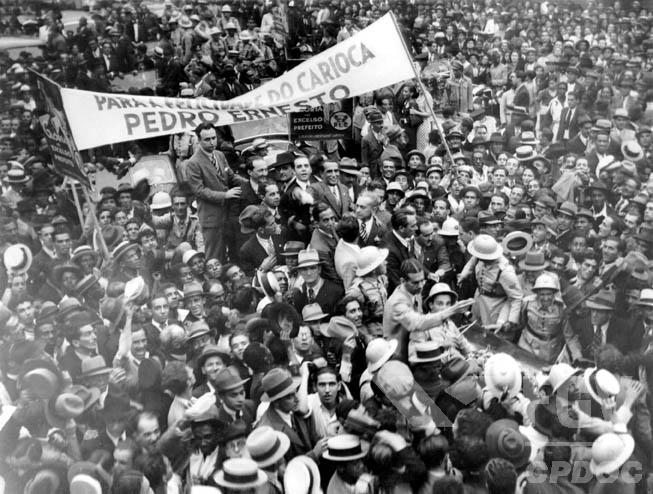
(344, 447)
(266, 446)
(240, 474)
(517, 243)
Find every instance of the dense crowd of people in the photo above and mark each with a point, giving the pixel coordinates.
(296, 321)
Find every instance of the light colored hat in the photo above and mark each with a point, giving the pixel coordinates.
(450, 228)
(502, 372)
(266, 446)
(610, 451)
(517, 243)
(428, 351)
(378, 352)
(313, 312)
(18, 258)
(533, 261)
(302, 475)
(485, 247)
(440, 289)
(632, 151)
(185, 22)
(560, 374)
(307, 258)
(344, 447)
(545, 281)
(189, 254)
(601, 384)
(646, 297)
(230, 25)
(369, 259)
(65, 406)
(161, 200)
(135, 289)
(240, 474)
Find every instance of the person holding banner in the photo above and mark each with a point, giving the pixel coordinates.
(214, 184)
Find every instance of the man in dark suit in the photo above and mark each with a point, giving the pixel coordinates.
(400, 242)
(214, 185)
(257, 171)
(324, 239)
(261, 250)
(373, 143)
(609, 329)
(331, 191)
(231, 87)
(579, 143)
(315, 289)
(372, 230)
(283, 416)
(297, 200)
(231, 392)
(569, 119)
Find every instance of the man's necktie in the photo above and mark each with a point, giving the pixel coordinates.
(597, 340)
(311, 296)
(334, 191)
(363, 232)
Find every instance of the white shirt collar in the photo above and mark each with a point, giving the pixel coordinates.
(401, 239)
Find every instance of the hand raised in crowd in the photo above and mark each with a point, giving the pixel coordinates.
(234, 193)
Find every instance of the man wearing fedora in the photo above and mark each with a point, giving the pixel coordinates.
(607, 327)
(315, 289)
(282, 415)
(230, 391)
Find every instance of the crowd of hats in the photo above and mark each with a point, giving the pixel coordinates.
(53, 412)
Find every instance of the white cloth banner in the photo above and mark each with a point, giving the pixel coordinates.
(373, 58)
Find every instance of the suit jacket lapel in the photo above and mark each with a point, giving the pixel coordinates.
(286, 429)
